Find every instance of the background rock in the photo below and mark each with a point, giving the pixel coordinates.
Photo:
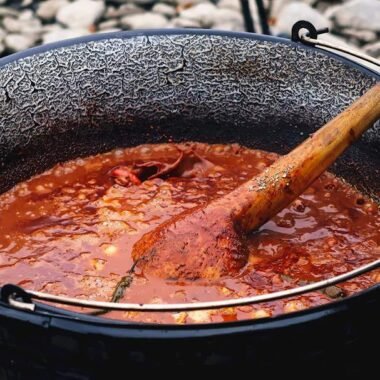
(164, 9)
(25, 23)
(5, 11)
(296, 11)
(228, 19)
(230, 4)
(3, 33)
(179, 22)
(145, 20)
(81, 13)
(123, 10)
(204, 13)
(47, 10)
(17, 42)
(358, 14)
(373, 49)
(109, 24)
(63, 34)
(362, 36)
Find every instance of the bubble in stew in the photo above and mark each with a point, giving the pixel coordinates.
(70, 231)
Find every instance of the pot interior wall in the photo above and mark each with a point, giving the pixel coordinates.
(126, 90)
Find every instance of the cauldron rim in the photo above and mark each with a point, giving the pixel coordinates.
(172, 32)
(51, 317)
(81, 323)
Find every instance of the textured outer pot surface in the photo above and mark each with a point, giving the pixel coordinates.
(89, 95)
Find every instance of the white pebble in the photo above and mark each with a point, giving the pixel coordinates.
(63, 34)
(81, 13)
(164, 9)
(296, 11)
(18, 42)
(47, 10)
(204, 13)
(146, 20)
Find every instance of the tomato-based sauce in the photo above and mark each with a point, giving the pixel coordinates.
(71, 230)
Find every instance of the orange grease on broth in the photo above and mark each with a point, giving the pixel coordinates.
(70, 231)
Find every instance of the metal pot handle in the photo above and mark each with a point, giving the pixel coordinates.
(311, 38)
(11, 295)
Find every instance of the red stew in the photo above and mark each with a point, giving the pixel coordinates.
(70, 231)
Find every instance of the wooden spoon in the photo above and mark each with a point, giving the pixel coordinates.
(209, 241)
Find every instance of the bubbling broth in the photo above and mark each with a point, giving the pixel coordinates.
(70, 231)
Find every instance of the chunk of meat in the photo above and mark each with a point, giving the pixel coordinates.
(189, 164)
(125, 176)
(201, 243)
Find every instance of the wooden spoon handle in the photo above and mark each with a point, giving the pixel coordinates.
(264, 196)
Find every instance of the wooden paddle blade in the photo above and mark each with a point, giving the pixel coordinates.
(265, 195)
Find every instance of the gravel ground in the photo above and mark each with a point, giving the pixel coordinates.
(26, 23)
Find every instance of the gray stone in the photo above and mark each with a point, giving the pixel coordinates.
(124, 10)
(323, 6)
(32, 27)
(17, 42)
(361, 35)
(185, 4)
(47, 10)
(109, 24)
(109, 30)
(277, 7)
(182, 4)
(179, 22)
(358, 14)
(229, 25)
(228, 19)
(11, 24)
(331, 10)
(296, 11)
(110, 12)
(81, 13)
(51, 28)
(144, 2)
(5, 11)
(373, 49)
(26, 24)
(164, 9)
(228, 16)
(138, 2)
(63, 34)
(26, 15)
(146, 20)
(230, 4)
(204, 13)
(170, 2)
(3, 33)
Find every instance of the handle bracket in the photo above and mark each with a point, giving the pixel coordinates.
(310, 38)
(312, 32)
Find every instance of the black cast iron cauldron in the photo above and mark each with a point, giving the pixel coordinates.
(91, 94)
